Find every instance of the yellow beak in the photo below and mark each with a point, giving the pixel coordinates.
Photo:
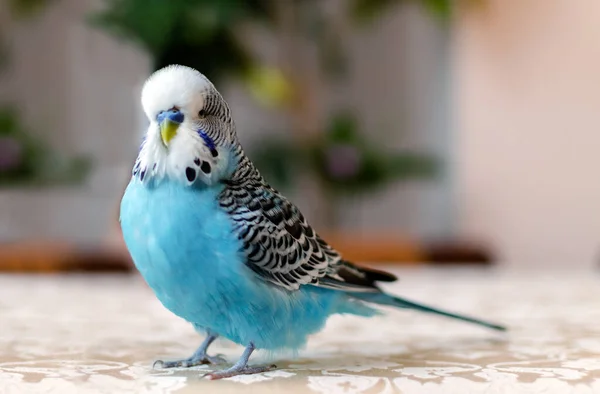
(168, 130)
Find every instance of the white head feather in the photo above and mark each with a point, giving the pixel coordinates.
(175, 86)
(204, 139)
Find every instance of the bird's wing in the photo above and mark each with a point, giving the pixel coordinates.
(282, 248)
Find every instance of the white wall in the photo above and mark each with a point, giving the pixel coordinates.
(528, 128)
(79, 88)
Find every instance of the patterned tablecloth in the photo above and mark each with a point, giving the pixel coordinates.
(99, 334)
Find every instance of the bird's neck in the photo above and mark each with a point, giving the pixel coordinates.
(245, 170)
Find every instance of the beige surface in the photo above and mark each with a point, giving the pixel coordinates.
(100, 334)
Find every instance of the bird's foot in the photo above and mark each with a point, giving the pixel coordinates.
(238, 370)
(201, 359)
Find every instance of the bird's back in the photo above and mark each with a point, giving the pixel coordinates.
(279, 243)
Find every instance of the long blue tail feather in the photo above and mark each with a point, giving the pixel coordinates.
(386, 299)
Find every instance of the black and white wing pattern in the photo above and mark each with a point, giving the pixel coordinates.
(282, 248)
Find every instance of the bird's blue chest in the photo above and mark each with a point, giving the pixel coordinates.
(184, 246)
(181, 242)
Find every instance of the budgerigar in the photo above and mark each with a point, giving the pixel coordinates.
(220, 247)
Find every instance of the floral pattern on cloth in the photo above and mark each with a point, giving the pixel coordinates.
(100, 334)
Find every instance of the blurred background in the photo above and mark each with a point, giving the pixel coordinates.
(408, 131)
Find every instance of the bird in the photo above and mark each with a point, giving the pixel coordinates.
(220, 247)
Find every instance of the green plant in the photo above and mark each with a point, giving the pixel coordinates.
(367, 10)
(209, 36)
(343, 159)
(28, 8)
(25, 159)
(197, 33)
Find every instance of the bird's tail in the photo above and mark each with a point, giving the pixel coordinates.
(386, 299)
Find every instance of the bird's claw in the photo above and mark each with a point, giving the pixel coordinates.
(190, 362)
(235, 371)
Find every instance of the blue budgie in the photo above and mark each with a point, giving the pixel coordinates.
(220, 247)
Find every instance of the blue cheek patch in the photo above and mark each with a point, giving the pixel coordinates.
(210, 144)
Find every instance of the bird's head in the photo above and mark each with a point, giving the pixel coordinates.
(191, 135)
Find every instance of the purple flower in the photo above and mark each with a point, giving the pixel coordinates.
(11, 154)
(342, 161)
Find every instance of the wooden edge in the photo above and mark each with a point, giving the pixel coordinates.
(51, 256)
(377, 248)
(48, 256)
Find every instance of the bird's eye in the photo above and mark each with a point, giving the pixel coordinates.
(202, 113)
